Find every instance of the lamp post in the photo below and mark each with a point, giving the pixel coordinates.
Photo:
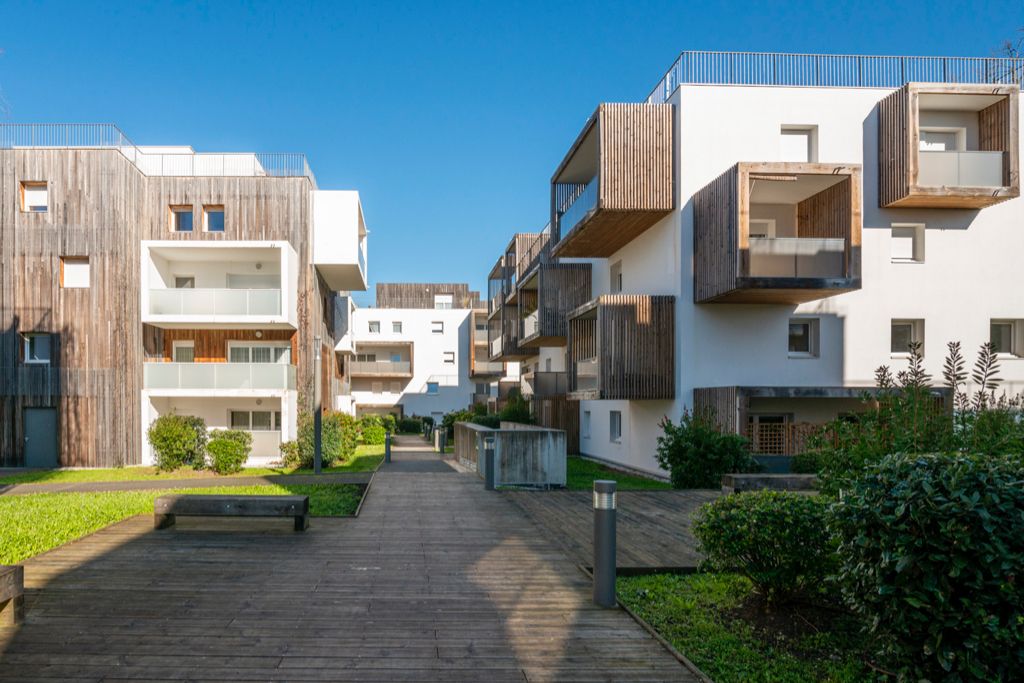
(317, 408)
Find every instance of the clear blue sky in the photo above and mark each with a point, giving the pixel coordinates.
(448, 118)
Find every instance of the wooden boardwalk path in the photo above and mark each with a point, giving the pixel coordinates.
(436, 580)
(653, 527)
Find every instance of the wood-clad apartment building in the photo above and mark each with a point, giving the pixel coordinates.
(116, 258)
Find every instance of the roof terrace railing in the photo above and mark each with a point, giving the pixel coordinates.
(153, 163)
(840, 71)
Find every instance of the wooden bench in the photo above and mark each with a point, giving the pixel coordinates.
(167, 508)
(12, 595)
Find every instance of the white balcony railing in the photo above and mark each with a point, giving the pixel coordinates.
(215, 302)
(960, 169)
(587, 374)
(797, 257)
(531, 324)
(214, 376)
(382, 367)
(488, 368)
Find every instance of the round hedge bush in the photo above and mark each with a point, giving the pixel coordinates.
(228, 450)
(931, 555)
(178, 441)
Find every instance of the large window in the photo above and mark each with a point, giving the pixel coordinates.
(37, 348)
(803, 337)
(615, 426)
(256, 420)
(903, 333)
(35, 197)
(181, 218)
(74, 272)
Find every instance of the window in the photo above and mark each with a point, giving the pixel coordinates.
(184, 282)
(396, 358)
(803, 337)
(37, 348)
(483, 389)
(615, 426)
(396, 327)
(442, 301)
(259, 353)
(213, 218)
(366, 358)
(907, 243)
(942, 139)
(547, 365)
(181, 219)
(762, 227)
(585, 427)
(432, 387)
(1007, 337)
(903, 334)
(184, 352)
(374, 327)
(449, 357)
(256, 420)
(35, 198)
(615, 275)
(798, 143)
(377, 387)
(768, 433)
(396, 387)
(437, 327)
(74, 272)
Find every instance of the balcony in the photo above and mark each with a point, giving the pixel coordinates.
(947, 145)
(380, 368)
(778, 232)
(622, 346)
(487, 369)
(218, 284)
(615, 182)
(546, 298)
(544, 384)
(339, 239)
(217, 377)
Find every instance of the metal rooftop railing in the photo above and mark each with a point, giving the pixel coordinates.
(153, 162)
(838, 71)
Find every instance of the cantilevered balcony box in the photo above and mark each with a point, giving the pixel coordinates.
(622, 346)
(615, 182)
(547, 295)
(204, 284)
(948, 145)
(339, 239)
(778, 232)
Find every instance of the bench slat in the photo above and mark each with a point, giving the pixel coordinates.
(12, 581)
(242, 506)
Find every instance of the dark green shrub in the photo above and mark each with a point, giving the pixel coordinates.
(410, 425)
(517, 409)
(390, 423)
(696, 452)
(427, 420)
(931, 555)
(178, 441)
(290, 454)
(479, 409)
(492, 421)
(449, 420)
(339, 434)
(228, 450)
(374, 435)
(779, 540)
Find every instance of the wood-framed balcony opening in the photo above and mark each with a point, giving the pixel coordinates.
(547, 297)
(615, 182)
(949, 145)
(622, 346)
(778, 232)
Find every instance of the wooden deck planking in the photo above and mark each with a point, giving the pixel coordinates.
(436, 580)
(653, 527)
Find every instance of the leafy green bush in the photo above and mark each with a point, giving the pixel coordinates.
(516, 409)
(779, 540)
(339, 434)
(228, 450)
(290, 454)
(449, 420)
(427, 420)
(696, 452)
(374, 435)
(492, 421)
(410, 425)
(178, 441)
(479, 409)
(931, 555)
(390, 423)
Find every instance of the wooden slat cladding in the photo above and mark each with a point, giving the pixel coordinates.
(421, 295)
(899, 142)
(721, 234)
(633, 340)
(634, 176)
(720, 404)
(560, 413)
(101, 206)
(211, 346)
(561, 289)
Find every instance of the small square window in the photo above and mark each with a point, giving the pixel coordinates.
(377, 387)
(803, 337)
(1007, 337)
(437, 327)
(449, 356)
(432, 387)
(798, 143)
(374, 327)
(396, 387)
(74, 272)
(907, 243)
(35, 196)
(615, 426)
(181, 219)
(903, 333)
(184, 351)
(213, 218)
(37, 349)
(184, 282)
(396, 327)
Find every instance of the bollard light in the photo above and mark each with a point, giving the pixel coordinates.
(489, 473)
(604, 543)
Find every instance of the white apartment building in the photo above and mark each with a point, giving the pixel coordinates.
(773, 228)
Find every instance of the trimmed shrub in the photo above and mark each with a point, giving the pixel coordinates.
(931, 555)
(517, 409)
(390, 423)
(339, 434)
(492, 421)
(410, 425)
(696, 452)
(779, 540)
(178, 441)
(479, 409)
(228, 450)
(374, 435)
(449, 420)
(290, 454)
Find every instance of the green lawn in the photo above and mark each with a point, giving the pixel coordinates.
(37, 522)
(366, 459)
(700, 615)
(581, 474)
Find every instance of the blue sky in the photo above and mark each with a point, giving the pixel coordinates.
(449, 118)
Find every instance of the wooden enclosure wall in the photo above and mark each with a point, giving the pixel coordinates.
(211, 346)
(421, 295)
(636, 346)
(721, 403)
(894, 147)
(826, 214)
(560, 413)
(562, 288)
(716, 236)
(994, 133)
(636, 157)
(101, 206)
